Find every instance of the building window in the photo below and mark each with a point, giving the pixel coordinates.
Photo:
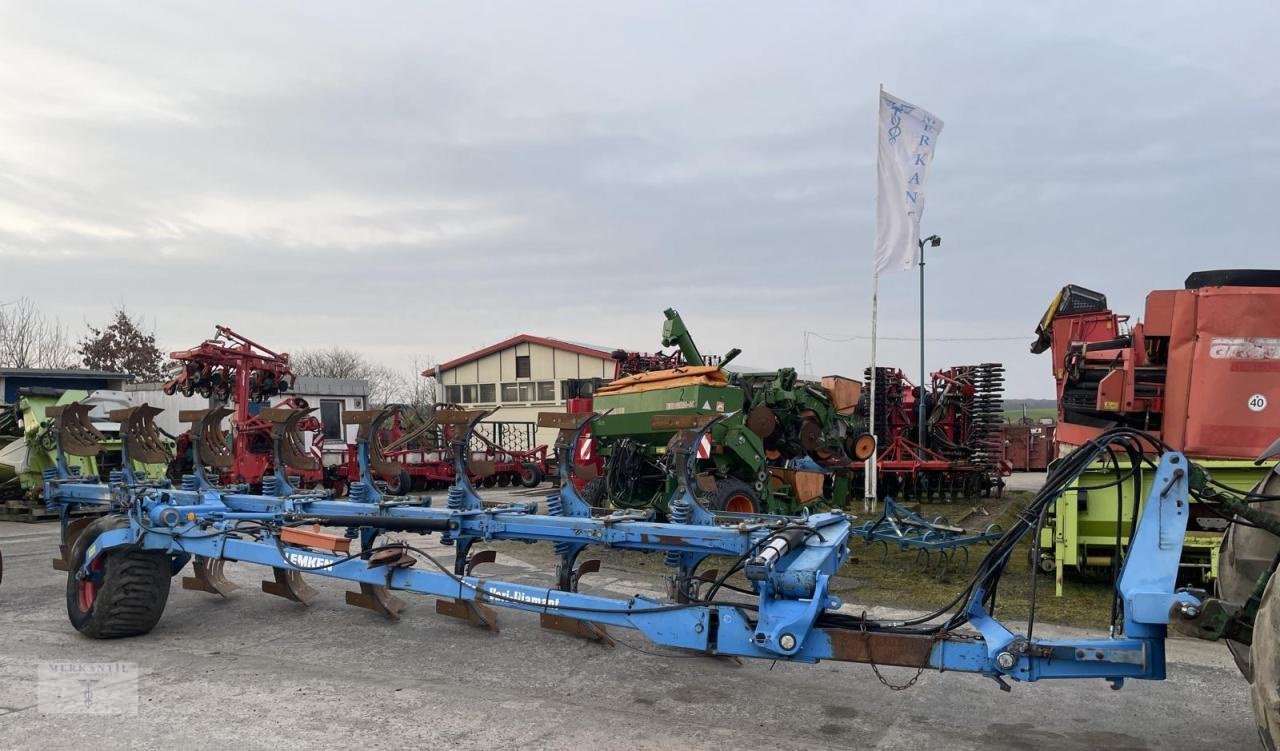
(522, 366)
(529, 391)
(488, 393)
(469, 393)
(331, 418)
(578, 388)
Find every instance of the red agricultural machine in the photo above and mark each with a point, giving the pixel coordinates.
(962, 455)
(232, 369)
(1200, 373)
(503, 454)
(1201, 370)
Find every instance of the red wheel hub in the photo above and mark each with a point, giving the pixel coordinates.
(739, 504)
(88, 590)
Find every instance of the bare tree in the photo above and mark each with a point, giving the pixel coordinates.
(30, 339)
(385, 385)
(420, 391)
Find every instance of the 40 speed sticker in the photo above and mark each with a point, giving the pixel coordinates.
(1257, 402)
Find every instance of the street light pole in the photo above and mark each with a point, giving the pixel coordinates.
(932, 241)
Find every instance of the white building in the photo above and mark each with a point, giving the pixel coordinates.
(524, 375)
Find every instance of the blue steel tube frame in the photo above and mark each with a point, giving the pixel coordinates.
(791, 593)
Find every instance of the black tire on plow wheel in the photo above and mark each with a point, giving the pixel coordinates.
(129, 597)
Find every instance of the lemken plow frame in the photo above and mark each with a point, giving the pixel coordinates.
(153, 530)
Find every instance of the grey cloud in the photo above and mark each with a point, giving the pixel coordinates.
(429, 178)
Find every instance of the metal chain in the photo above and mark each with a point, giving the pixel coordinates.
(866, 639)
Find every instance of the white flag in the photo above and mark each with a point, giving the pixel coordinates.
(907, 137)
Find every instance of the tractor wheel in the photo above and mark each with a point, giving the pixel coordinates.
(531, 475)
(131, 593)
(732, 495)
(1245, 554)
(593, 493)
(1264, 659)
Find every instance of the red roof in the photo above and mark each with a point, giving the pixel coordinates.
(521, 339)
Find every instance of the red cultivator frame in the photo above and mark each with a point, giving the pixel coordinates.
(234, 369)
(420, 458)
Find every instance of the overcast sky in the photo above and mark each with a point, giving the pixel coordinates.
(422, 179)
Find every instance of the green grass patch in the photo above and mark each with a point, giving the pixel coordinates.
(898, 582)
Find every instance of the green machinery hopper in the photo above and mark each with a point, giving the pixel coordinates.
(775, 419)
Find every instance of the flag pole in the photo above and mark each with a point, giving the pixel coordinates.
(869, 483)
